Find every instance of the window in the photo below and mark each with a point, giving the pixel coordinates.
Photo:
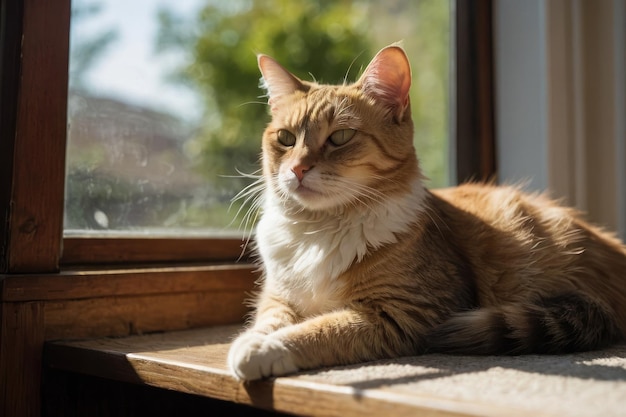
(34, 204)
(164, 112)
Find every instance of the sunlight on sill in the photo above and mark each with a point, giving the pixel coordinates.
(194, 361)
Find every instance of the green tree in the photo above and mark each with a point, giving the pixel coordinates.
(318, 38)
(326, 40)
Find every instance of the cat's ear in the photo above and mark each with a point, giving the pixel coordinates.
(388, 79)
(278, 81)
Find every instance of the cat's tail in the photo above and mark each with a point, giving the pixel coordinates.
(558, 324)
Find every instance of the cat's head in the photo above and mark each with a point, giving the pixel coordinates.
(335, 147)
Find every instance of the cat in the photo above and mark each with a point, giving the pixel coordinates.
(362, 262)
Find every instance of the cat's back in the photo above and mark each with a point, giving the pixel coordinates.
(509, 209)
(517, 241)
(480, 213)
(513, 213)
(503, 207)
(501, 230)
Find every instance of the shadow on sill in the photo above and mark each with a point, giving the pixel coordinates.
(193, 362)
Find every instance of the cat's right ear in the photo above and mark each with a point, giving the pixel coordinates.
(388, 79)
(278, 81)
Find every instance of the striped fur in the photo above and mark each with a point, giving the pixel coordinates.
(362, 262)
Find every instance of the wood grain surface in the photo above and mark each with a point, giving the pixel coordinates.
(35, 209)
(194, 362)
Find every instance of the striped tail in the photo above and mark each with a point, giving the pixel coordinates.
(558, 324)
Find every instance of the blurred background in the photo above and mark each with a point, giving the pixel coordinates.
(165, 113)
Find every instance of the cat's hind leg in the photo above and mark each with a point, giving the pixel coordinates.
(555, 324)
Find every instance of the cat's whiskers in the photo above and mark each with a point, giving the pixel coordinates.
(264, 103)
(327, 228)
(431, 213)
(250, 191)
(251, 197)
(345, 78)
(358, 193)
(363, 194)
(249, 219)
(367, 195)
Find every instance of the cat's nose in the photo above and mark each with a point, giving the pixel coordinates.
(300, 170)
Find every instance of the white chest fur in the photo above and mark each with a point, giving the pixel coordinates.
(303, 256)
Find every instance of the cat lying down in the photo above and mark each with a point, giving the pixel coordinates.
(362, 262)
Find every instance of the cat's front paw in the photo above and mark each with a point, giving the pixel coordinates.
(255, 356)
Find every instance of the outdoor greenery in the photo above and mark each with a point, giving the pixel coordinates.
(309, 37)
(326, 40)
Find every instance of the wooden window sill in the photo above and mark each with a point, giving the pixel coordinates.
(83, 303)
(193, 362)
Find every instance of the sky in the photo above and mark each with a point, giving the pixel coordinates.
(130, 69)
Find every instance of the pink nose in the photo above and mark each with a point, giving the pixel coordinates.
(300, 170)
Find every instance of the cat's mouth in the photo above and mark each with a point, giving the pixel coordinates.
(311, 198)
(305, 192)
(308, 194)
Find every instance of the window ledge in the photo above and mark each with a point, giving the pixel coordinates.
(193, 361)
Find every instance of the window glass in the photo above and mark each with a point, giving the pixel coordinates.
(165, 115)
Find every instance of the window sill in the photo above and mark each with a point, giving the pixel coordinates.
(193, 361)
(83, 303)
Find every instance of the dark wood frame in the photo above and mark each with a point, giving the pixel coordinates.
(52, 287)
(34, 153)
(474, 105)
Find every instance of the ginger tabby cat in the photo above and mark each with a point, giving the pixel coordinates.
(362, 262)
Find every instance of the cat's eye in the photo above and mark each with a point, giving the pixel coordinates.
(286, 138)
(341, 137)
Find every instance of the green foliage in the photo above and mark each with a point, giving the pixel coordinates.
(429, 49)
(320, 38)
(328, 40)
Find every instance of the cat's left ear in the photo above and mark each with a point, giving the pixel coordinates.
(388, 79)
(278, 81)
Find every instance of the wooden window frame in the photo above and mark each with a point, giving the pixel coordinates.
(474, 122)
(51, 287)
